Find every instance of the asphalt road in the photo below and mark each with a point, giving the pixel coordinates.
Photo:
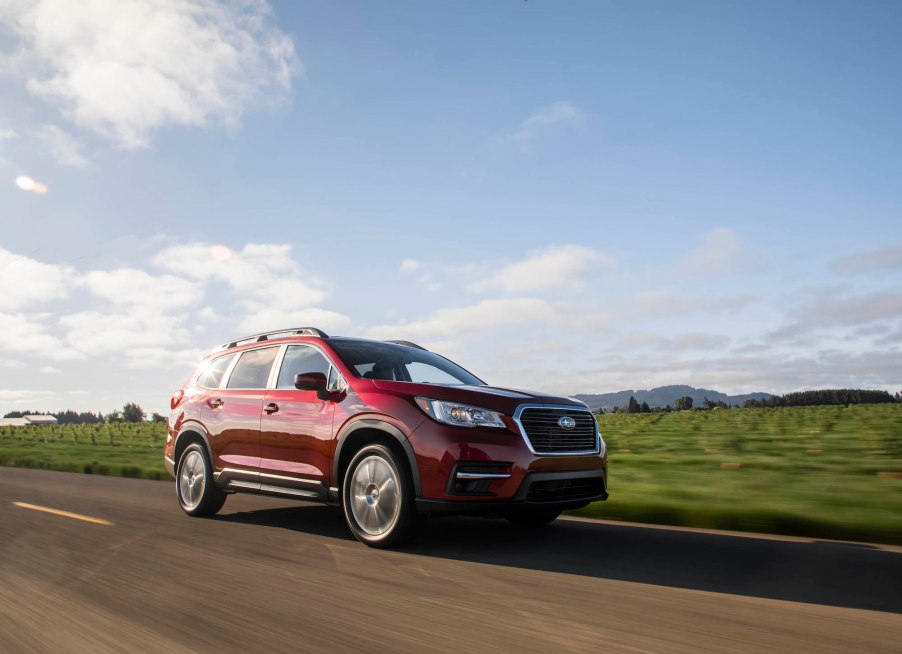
(269, 575)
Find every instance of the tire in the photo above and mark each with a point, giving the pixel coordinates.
(197, 492)
(377, 498)
(533, 517)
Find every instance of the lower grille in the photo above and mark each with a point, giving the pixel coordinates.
(546, 435)
(562, 490)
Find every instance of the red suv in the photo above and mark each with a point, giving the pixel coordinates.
(385, 429)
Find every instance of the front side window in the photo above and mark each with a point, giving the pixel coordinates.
(301, 359)
(252, 369)
(388, 361)
(211, 372)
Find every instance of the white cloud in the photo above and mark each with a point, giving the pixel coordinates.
(23, 398)
(271, 289)
(251, 271)
(29, 334)
(261, 274)
(25, 281)
(484, 316)
(677, 344)
(430, 283)
(61, 146)
(544, 117)
(410, 265)
(126, 68)
(666, 303)
(136, 290)
(874, 260)
(832, 311)
(721, 252)
(272, 317)
(560, 267)
(116, 332)
(162, 357)
(6, 134)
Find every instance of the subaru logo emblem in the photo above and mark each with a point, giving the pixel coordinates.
(567, 423)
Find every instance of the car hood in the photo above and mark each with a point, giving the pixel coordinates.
(489, 397)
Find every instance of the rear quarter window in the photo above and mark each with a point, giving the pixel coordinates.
(210, 373)
(252, 369)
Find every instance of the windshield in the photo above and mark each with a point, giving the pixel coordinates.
(376, 360)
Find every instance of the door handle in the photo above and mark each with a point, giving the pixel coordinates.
(215, 403)
(271, 408)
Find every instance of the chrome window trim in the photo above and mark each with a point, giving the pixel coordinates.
(274, 379)
(566, 407)
(276, 366)
(228, 373)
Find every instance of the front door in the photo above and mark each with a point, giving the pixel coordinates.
(296, 428)
(232, 414)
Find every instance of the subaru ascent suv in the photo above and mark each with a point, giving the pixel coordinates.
(384, 429)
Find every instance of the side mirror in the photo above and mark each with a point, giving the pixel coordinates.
(312, 381)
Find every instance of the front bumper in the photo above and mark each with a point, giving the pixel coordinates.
(559, 490)
(443, 452)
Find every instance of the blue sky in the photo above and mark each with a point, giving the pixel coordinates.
(572, 196)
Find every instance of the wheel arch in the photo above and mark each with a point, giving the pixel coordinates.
(370, 430)
(191, 434)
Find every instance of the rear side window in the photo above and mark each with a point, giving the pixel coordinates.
(252, 369)
(300, 359)
(211, 372)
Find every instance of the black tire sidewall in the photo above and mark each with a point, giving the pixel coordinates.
(402, 529)
(211, 497)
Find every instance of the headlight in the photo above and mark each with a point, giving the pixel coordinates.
(462, 415)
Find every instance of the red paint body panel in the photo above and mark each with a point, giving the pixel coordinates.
(234, 427)
(296, 440)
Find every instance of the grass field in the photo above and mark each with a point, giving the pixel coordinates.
(828, 471)
(122, 449)
(825, 471)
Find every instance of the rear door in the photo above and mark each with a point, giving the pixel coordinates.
(296, 430)
(232, 413)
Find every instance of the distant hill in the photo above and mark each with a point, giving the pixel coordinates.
(664, 395)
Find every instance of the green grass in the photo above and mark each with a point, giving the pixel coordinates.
(122, 450)
(825, 471)
(809, 471)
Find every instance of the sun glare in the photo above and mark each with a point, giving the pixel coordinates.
(220, 252)
(28, 184)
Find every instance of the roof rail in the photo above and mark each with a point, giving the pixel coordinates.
(265, 336)
(408, 344)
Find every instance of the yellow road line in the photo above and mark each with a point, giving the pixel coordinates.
(65, 514)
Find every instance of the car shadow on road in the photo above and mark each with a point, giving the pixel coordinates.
(816, 572)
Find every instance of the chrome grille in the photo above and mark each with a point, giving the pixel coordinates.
(546, 436)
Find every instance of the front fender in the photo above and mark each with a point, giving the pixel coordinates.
(383, 426)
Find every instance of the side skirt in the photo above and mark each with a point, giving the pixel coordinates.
(261, 483)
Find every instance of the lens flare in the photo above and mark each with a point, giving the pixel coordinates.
(220, 252)
(28, 184)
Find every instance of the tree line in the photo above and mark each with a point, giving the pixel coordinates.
(841, 396)
(130, 412)
(828, 396)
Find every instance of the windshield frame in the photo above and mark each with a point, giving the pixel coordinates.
(419, 355)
